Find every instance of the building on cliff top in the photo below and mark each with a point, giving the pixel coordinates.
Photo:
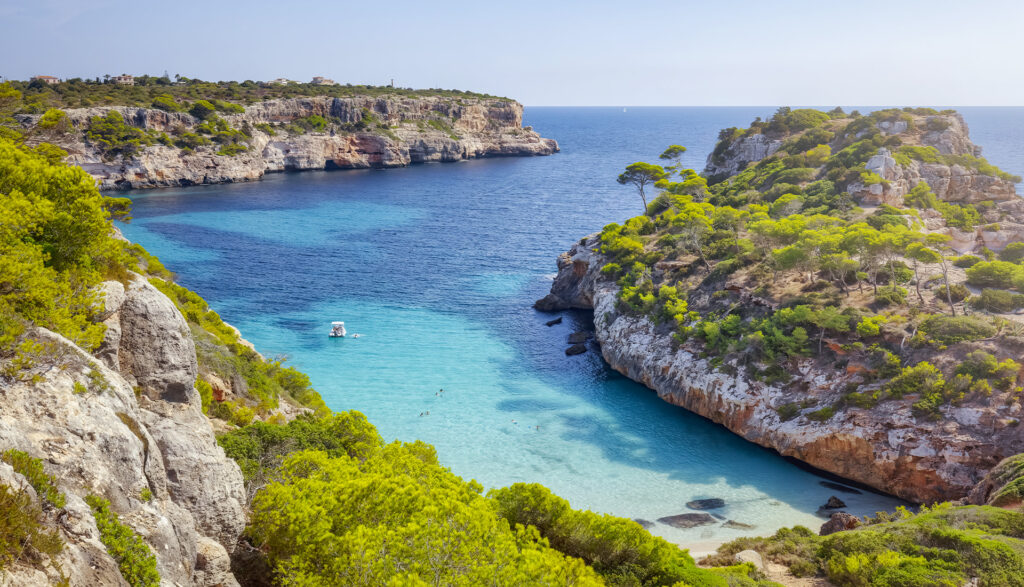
(124, 79)
(48, 79)
(281, 81)
(323, 81)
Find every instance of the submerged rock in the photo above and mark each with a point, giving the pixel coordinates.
(838, 522)
(646, 524)
(839, 487)
(576, 349)
(833, 503)
(733, 524)
(578, 337)
(688, 520)
(706, 504)
(553, 322)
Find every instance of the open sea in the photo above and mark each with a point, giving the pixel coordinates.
(436, 267)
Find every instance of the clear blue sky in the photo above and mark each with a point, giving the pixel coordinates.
(676, 52)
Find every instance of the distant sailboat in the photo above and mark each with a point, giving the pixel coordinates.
(623, 109)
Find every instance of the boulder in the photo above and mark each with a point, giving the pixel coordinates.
(578, 337)
(838, 522)
(706, 504)
(156, 348)
(834, 503)
(576, 349)
(750, 556)
(688, 520)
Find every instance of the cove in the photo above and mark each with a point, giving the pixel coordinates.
(436, 266)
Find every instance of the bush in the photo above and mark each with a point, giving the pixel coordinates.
(950, 330)
(788, 411)
(1013, 253)
(958, 292)
(166, 103)
(1001, 274)
(889, 296)
(998, 300)
(202, 109)
(113, 137)
(135, 560)
(32, 469)
(965, 261)
(21, 528)
(923, 378)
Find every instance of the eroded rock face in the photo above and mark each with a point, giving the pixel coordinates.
(739, 154)
(480, 128)
(838, 522)
(885, 447)
(96, 435)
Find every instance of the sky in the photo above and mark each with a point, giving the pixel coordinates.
(547, 53)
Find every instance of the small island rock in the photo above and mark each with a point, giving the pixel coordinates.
(706, 504)
(834, 503)
(576, 349)
(553, 322)
(838, 522)
(688, 520)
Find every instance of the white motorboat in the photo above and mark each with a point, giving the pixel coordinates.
(337, 330)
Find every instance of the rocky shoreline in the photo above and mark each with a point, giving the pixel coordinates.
(884, 447)
(407, 131)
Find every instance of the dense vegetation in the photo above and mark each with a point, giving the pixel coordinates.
(334, 505)
(943, 546)
(777, 264)
(168, 94)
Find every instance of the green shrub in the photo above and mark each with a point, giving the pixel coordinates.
(113, 137)
(1001, 274)
(22, 530)
(923, 378)
(891, 296)
(133, 557)
(167, 103)
(965, 261)
(260, 446)
(32, 469)
(1013, 253)
(202, 109)
(822, 415)
(950, 330)
(998, 300)
(788, 411)
(958, 292)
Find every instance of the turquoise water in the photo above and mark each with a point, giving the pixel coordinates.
(436, 266)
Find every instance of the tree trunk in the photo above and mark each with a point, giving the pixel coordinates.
(949, 296)
(917, 283)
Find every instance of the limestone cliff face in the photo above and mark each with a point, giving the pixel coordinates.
(120, 424)
(478, 128)
(885, 447)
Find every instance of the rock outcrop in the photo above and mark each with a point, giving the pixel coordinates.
(126, 425)
(885, 447)
(403, 131)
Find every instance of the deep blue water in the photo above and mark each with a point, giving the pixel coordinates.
(436, 266)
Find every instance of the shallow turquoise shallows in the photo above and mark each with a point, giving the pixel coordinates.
(436, 267)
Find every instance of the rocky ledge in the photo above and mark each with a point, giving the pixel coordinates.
(126, 424)
(885, 447)
(404, 131)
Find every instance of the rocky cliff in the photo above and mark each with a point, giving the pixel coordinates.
(885, 447)
(403, 131)
(126, 424)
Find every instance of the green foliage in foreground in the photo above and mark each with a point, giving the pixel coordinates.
(135, 560)
(1008, 477)
(941, 546)
(337, 506)
(22, 530)
(619, 549)
(55, 245)
(32, 469)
